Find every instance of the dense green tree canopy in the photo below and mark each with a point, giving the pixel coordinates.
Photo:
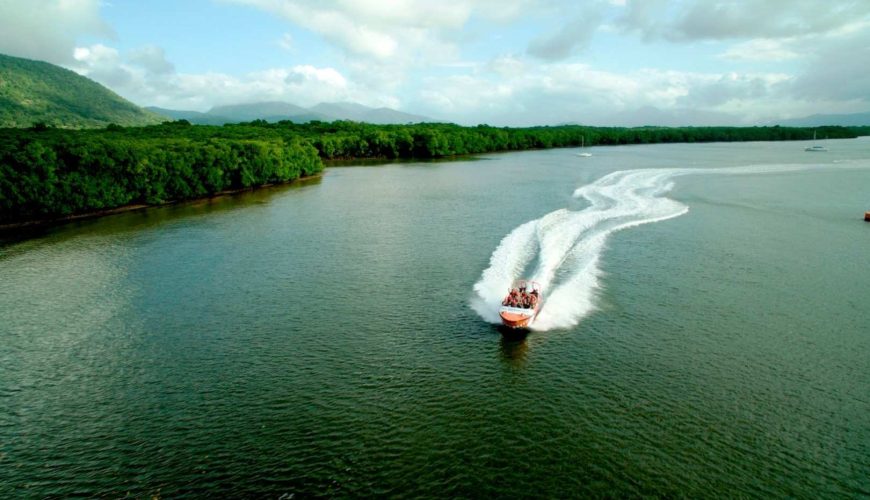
(38, 92)
(48, 173)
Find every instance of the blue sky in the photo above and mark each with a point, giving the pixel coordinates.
(505, 62)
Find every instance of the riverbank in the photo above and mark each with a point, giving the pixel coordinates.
(56, 175)
(45, 222)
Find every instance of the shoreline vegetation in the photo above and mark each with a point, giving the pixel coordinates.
(50, 175)
(37, 223)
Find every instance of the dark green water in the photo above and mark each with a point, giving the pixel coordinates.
(319, 340)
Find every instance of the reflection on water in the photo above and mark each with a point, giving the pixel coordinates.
(317, 342)
(148, 218)
(381, 162)
(513, 345)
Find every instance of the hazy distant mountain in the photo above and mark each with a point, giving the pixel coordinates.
(191, 116)
(344, 110)
(258, 111)
(277, 111)
(360, 113)
(389, 115)
(846, 120)
(36, 91)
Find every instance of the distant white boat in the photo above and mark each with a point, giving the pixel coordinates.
(817, 148)
(582, 145)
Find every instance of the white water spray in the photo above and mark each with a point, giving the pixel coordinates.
(566, 245)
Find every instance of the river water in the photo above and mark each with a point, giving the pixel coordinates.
(706, 331)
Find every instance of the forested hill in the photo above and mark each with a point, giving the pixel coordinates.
(38, 92)
(49, 173)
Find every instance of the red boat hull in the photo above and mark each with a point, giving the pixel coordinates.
(516, 320)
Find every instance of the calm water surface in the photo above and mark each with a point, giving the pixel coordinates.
(320, 340)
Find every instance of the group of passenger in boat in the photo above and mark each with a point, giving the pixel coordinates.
(519, 297)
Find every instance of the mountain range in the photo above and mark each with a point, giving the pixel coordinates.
(275, 111)
(39, 92)
(34, 92)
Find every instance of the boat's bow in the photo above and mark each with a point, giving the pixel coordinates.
(516, 317)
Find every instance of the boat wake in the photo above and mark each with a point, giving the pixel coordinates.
(561, 250)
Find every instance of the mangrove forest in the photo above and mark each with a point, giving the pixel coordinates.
(48, 173)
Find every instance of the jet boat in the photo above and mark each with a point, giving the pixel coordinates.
(521, 305)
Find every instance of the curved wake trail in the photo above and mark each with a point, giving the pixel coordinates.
(561, 250)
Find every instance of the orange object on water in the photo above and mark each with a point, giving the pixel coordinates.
(517, 316)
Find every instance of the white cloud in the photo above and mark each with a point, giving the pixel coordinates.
(497, 92)
(839, 69)
(761, 49)
(153, 59)
(719, 91)
(103, 64)
(48, 29)
(830, 68)
(572, 36)
(507, 66)
(147, 78)
(398, 32)
(424, 57)
(320, 76)
(739, 19)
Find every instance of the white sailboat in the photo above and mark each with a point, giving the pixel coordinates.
(582, 145)
(817, 148)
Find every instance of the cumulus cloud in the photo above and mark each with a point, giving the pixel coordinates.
(48, 29)
(394, 31)
(499, 92)
(571, 37)
(320, 76)
(507, 66)
(146, 77)
(840, 69)
(833, 68)
(776, 58)
(707, 92)
(561, 92)
(735, 19)
(103, 64)
(761, 49)
(644, 17)
(152, 59)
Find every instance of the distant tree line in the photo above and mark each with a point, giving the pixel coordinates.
(351, 140)
(49, 173)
